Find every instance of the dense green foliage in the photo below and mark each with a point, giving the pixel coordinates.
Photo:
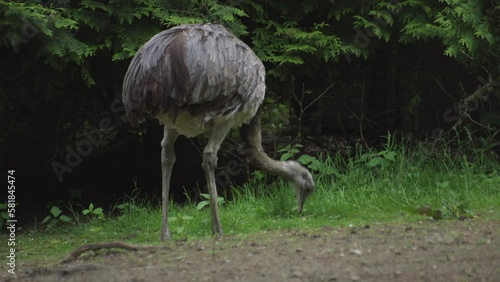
(349, 67)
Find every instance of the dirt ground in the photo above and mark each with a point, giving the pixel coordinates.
(426, 251)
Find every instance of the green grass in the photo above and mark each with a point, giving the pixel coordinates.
(365, 188)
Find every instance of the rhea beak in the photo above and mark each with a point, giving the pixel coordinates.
(301, 203)
(302, 194)
(301, 197)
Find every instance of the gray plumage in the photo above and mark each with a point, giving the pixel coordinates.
(199, 79)
(198, 69)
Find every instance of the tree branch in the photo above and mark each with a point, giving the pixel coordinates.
(94, 247)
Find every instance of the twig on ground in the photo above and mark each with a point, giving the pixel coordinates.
(94, 247)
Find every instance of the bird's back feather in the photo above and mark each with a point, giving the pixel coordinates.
(202, 69)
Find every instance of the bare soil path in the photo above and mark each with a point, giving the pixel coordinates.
(426, 251)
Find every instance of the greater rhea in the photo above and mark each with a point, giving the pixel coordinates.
(201, 79)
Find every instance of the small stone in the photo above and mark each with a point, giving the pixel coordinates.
(356, 252)
(355, 277)
(297, 273)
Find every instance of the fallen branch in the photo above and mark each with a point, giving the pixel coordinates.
(94, 247)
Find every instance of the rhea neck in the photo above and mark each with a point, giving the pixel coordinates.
(255, 153)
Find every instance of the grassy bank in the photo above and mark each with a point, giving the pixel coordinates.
(393, 184)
